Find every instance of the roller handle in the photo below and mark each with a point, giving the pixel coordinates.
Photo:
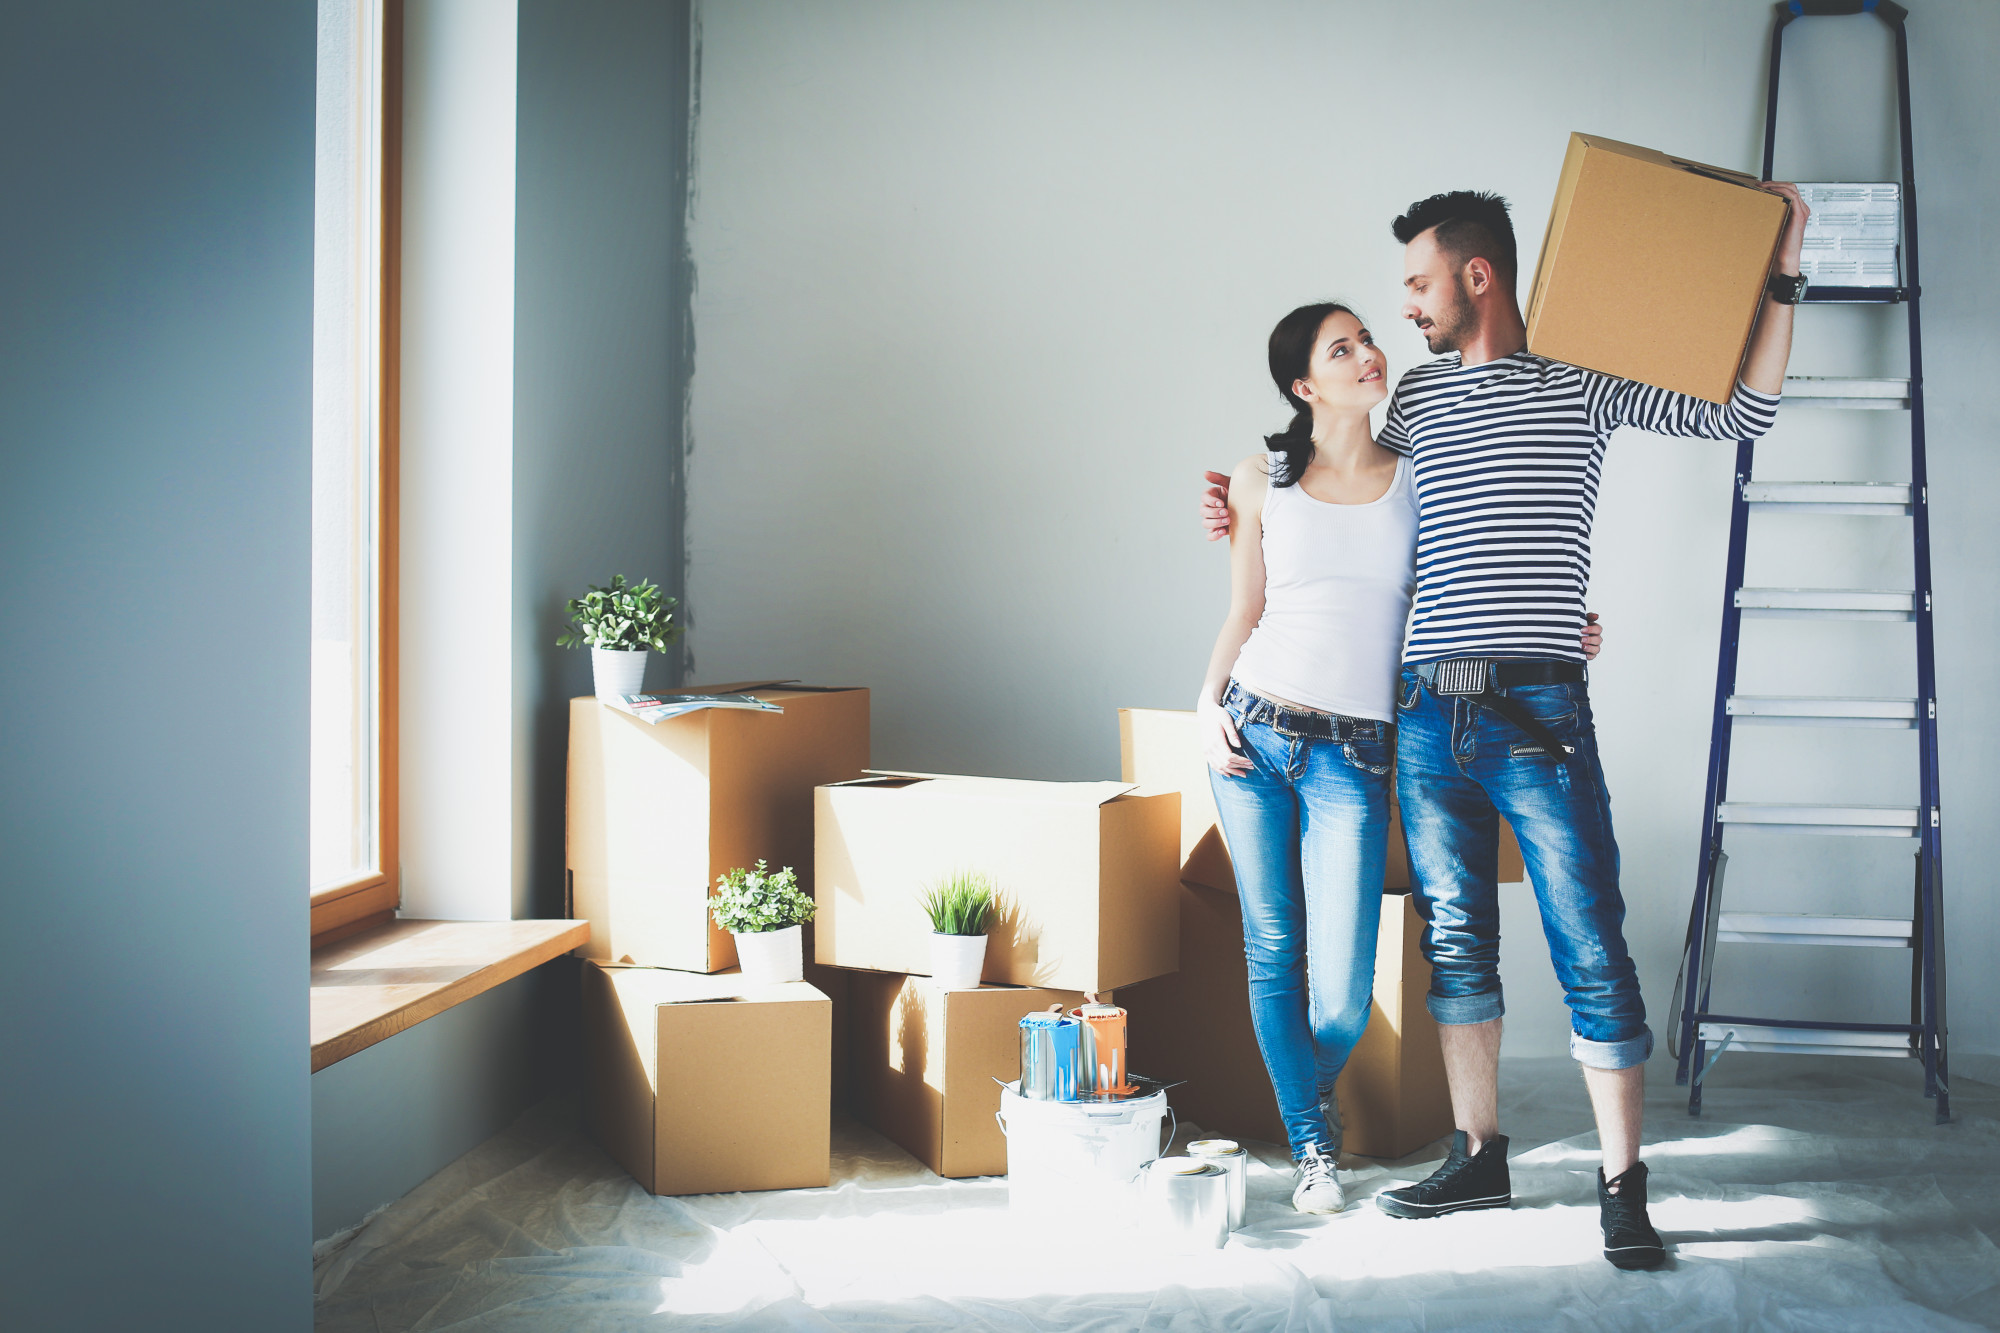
(1887, 10)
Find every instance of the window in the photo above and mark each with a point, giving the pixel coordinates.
(352, 858)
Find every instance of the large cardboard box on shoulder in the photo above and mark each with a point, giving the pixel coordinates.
(1195, 1025)
(700, 1084)
(925, 1061)
(1653, 267)
(658, 810)
(1087, 873)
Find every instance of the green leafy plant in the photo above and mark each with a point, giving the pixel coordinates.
(625, 617)
(749, 902)
(961, 904)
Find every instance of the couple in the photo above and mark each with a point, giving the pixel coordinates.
(1473, 508)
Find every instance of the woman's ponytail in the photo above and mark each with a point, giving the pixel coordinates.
(1290, 350)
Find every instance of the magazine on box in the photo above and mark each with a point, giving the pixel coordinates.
(660, 707)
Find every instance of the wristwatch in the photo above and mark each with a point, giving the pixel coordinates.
(1786, 288)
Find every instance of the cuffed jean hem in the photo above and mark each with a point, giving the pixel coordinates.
(1457, 1010)
(1625, 1054)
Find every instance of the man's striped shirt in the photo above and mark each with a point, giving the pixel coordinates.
(1507, 457)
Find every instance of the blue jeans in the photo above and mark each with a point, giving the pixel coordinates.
(1456, 765)
(1308, 833)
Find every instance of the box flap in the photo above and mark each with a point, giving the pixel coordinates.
(658, 985)
(1012, 789)
(1653, 155)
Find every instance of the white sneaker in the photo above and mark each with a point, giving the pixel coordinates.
(1318, 1190)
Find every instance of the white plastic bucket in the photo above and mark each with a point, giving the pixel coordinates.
(772, 955)
(1063, 1157)
(957, 961)
(615, 671)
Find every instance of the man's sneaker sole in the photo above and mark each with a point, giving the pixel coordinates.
(1398, 1208)
(1633, 1257)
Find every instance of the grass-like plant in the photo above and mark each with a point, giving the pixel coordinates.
(961, 904)
(623, 617)
(750, 902)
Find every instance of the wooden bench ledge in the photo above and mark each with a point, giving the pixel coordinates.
(393, 976)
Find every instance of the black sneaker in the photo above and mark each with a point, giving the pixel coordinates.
(1462, 1182)
(1629, 1238)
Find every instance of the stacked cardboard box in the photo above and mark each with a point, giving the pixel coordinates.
(1195, 1025)
(695, 1082)
(1087, 873)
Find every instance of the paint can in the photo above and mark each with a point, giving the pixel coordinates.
(1101, 1049)
(1187, 1204)
(1232, 1157)
(1049, 1056)
(1081, 1160)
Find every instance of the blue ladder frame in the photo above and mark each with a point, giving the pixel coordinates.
(1926, 1031)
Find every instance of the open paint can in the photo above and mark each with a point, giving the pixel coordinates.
(1051, 1057)
(1233, 1158)
(1079, 1159)
(1186, 1203)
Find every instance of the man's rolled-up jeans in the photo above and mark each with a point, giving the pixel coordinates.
(1457, 764)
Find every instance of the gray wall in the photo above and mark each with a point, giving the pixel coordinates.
(155, 409)
(984, 288)
(600, 352)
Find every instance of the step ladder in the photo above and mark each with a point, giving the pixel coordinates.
(1865, 230)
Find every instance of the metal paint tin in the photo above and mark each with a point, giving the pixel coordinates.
(1187, 1204)
(1050, 1057)
(1102, 1049)
(1232, 1157)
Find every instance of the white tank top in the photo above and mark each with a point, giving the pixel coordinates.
(1337, 586)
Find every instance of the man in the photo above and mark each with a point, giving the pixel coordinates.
(1493, 713)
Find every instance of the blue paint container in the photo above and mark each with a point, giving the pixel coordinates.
(1051, 1057)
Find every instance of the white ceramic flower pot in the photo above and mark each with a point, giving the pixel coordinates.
(957, 961)
(770, 956)
(617, 671)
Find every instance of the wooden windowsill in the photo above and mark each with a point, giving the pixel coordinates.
(393, 976)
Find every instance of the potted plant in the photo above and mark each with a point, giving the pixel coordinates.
(960, 908)
(764, 911)
(619, 624)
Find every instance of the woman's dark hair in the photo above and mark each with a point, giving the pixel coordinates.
(1291, 351)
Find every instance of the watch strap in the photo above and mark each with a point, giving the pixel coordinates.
(1786, 288)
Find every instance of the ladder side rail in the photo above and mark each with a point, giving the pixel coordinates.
(1930, 849)
(1721, 731)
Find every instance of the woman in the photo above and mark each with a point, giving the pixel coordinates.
(1295, 715)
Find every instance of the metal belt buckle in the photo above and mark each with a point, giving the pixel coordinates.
(1464, 675)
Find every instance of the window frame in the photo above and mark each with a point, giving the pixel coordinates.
(371, 899)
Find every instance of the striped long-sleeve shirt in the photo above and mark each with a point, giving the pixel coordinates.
(1507, 457)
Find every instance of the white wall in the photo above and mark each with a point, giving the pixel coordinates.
(983, 288)
(155, 516)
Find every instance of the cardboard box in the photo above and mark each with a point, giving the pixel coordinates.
(658, 811)
(1087, 873)
(1653, 267)
(700, 1084)
(925, 1061)
(1158, 748)
(1195, 1026)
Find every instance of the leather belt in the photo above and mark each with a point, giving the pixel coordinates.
(1481, 679)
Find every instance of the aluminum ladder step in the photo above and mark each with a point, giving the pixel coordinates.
(1827, 603)
(1877, 499)
(1867, 932)
(1758, 1039)
(1854, 821)
(1831, 391)
(1829, 711)
(1856, 295)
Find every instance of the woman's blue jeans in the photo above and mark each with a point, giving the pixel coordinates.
(1308, 834)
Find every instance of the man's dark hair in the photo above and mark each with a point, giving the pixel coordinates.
(1469, 223)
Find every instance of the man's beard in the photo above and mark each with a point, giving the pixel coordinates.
(1453, 326)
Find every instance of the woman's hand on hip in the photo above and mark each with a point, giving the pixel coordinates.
(1221, 743)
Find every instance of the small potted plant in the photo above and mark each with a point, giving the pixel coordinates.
(960, 908)
(619, 624)
(764, 911)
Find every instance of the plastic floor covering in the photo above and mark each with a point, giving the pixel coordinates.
(1813, 1194)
